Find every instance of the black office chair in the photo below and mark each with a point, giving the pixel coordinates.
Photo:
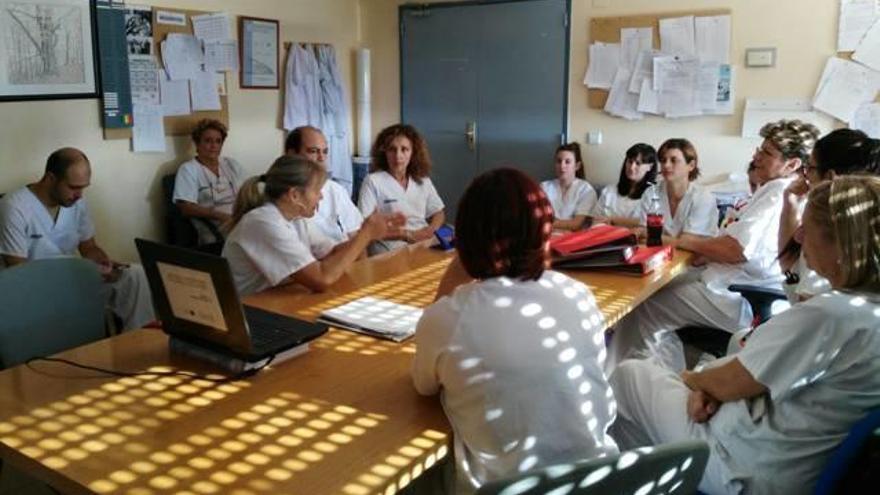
(714, 340)
(179, 230)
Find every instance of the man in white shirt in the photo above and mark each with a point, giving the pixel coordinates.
(743, 253)
(337, 217)
(47, 219)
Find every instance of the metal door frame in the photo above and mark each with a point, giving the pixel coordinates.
(401, 10)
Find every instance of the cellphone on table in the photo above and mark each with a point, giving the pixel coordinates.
(446, 237)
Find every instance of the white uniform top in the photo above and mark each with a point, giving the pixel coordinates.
(612, 204)
(337, 216)
(195, 183)
(697, 211)
(578, 200)
(518, 365)
(28, 231)
(755, 228)
(809, 283)
(380, 190)
(264, 248)
(820, 361)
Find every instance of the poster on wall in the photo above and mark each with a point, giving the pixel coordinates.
(259, 53)
(47, 49)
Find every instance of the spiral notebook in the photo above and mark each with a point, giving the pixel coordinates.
(376, 317)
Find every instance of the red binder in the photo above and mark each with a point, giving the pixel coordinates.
(596, 236)
(643, 261)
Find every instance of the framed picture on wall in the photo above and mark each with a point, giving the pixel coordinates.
(47, 50)
(259, 52)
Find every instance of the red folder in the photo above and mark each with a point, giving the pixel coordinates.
(595, 237)
(643, 261)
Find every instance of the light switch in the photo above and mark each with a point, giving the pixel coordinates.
(594, 137)
(760, 57)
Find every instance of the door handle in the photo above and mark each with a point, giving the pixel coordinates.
(470, 135)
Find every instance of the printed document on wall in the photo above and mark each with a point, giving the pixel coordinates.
(677, 80)
(182, 56)
(643, 70)
(677, 36)
(845, 86)
(712, 36)
(867, 119)
(175, 96)
(604, 60)
(868, 49)
(211, 27)
(856, 17)
(203, 91)
(221, 56)
(622, 103)
(148, 131)
(760, 111)
(634, 41)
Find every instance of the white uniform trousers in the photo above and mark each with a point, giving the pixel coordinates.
(129, 298)
(649, 330)
(652, 410)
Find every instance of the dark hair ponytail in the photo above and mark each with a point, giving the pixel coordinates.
(575, 149)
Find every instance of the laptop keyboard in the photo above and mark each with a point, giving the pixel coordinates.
(269, 331)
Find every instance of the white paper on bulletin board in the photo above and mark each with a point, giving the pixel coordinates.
(761, 111)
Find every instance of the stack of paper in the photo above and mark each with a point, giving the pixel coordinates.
(376, 317)
(691, 74)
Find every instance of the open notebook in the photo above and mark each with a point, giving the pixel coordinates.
(376, 317)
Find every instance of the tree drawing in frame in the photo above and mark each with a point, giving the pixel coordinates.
(46, 49)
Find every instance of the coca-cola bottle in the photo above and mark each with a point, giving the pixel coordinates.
(655, 220)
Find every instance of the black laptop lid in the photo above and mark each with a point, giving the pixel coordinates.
(194, 295)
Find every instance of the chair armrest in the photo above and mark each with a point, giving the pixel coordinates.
(755, 292)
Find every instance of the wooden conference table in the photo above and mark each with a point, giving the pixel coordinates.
(343, 418)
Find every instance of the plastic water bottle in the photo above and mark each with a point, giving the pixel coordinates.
(655, 220)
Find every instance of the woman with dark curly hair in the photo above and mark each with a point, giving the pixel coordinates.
(399, 182)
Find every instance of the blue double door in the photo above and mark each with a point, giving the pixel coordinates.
(486, 84)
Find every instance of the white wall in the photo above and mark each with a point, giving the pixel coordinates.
(125, 197)
(125, 194)
(803, 31)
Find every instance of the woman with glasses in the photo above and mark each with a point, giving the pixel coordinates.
(841, 152)
(206, 186)
(617, 204)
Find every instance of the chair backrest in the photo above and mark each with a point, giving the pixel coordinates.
(668, 468)
(179, 231)
(855, 464)
(48, 306)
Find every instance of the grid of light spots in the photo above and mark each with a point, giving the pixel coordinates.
(615, 305)
(111, 416)
(349, 342)
(398, 470)
(259, 450)
(416, 288)
(660, 472)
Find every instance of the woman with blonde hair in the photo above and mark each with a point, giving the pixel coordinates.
(781, 405)
(271, 243)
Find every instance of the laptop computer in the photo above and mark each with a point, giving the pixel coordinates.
(196, 300)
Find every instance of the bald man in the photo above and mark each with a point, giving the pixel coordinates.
(337, 216)
(49, 219)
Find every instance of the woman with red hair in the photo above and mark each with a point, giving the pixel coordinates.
(514, 349)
